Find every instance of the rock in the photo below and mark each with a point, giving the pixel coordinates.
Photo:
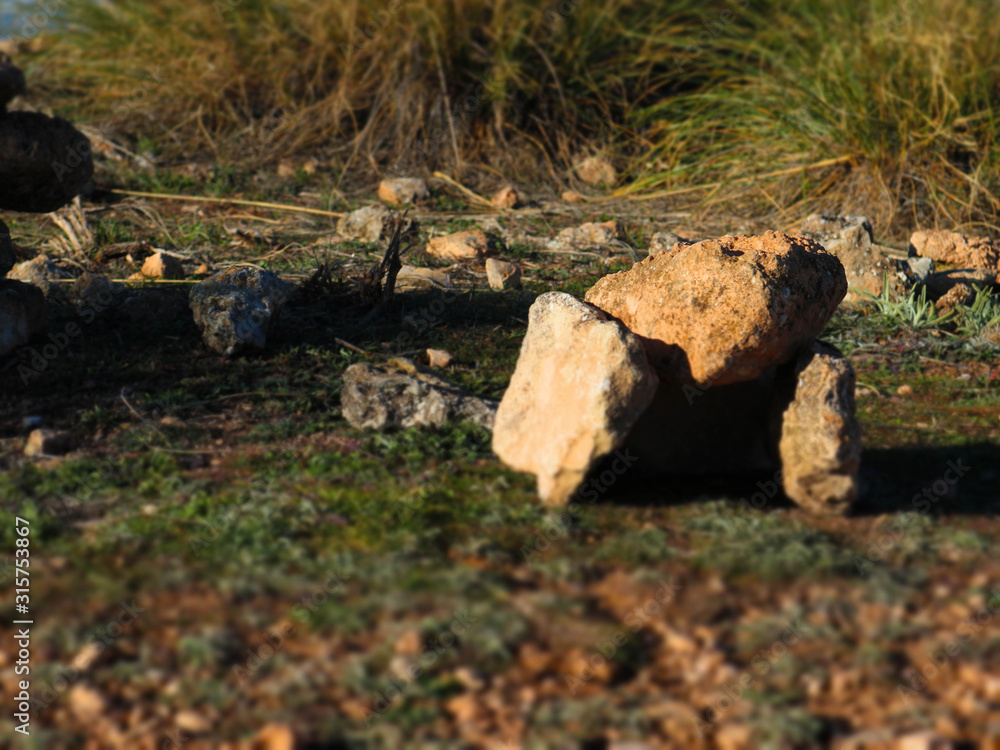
(402, 191)
(274, 737)
(919, 269)
(372, 224)
(503, 274)
(866, 264)
(506, 197)
(990, 335)
(580, 383)
(958, 296)
(11, 82)
(941, 282)
(95, 294)
(414, 277)
(44, 162)
(438, 358)
(956, 249)
(820, 444)
(237, 308)
(159, 265)
(7, 257)
(400, 394)
(22, 314)
(922, 740)
(40, 271)
(596, 171)
(571, 196)
(48, 443)
(905, 390)
(474, 244)
(192, 722)
(723, 311)
(589, 236)
(661, 242)
(86, 703)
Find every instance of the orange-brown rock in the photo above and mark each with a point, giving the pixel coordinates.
(722, 311)
(580, 383)
(402, 191)
(596, 171)
(502, 274)
(820, 443)
(956, 249)
(506, 197)
(474, 244)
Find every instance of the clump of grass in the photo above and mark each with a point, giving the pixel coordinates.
(407, 84)
(983, 313)
(898, 99)
(912, 311)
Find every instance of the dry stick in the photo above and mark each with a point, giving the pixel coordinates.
(624, 192)
(476, 198)
(235, 201)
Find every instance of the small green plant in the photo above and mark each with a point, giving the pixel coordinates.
(982, 313)
(912, 311)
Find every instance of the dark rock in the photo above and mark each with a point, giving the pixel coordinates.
(11, 82)
(22, 314)
(237, 308)
(7, 257)
(44, 162)
(401, 394)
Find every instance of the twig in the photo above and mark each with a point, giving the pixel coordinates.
(464, 190)
(349, 345)
(234, 201)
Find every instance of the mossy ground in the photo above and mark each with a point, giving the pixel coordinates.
(286, 568)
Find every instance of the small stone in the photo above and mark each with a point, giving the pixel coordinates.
(400, 395)
(409, 643)
(414, 277)
(159, 265)
(44, 442)
(503, 274)
(96, 293)
(86, 703)
(589, 236)
(571, 196)
(506, 197)
(959, 295)
(474, 244)
(192, 721)
(402, 191)
(820, 444)
(40, 271)
(580, 383)
(274, 737)
(22, 314)
(905, 390)
(662, 242)
(438, 358)
(922, 740)
(372, 224)
(237, 308)
(596, 171)
(202, 270)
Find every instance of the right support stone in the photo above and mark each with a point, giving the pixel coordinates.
(820, 443)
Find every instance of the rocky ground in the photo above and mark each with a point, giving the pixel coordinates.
(220, 559)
